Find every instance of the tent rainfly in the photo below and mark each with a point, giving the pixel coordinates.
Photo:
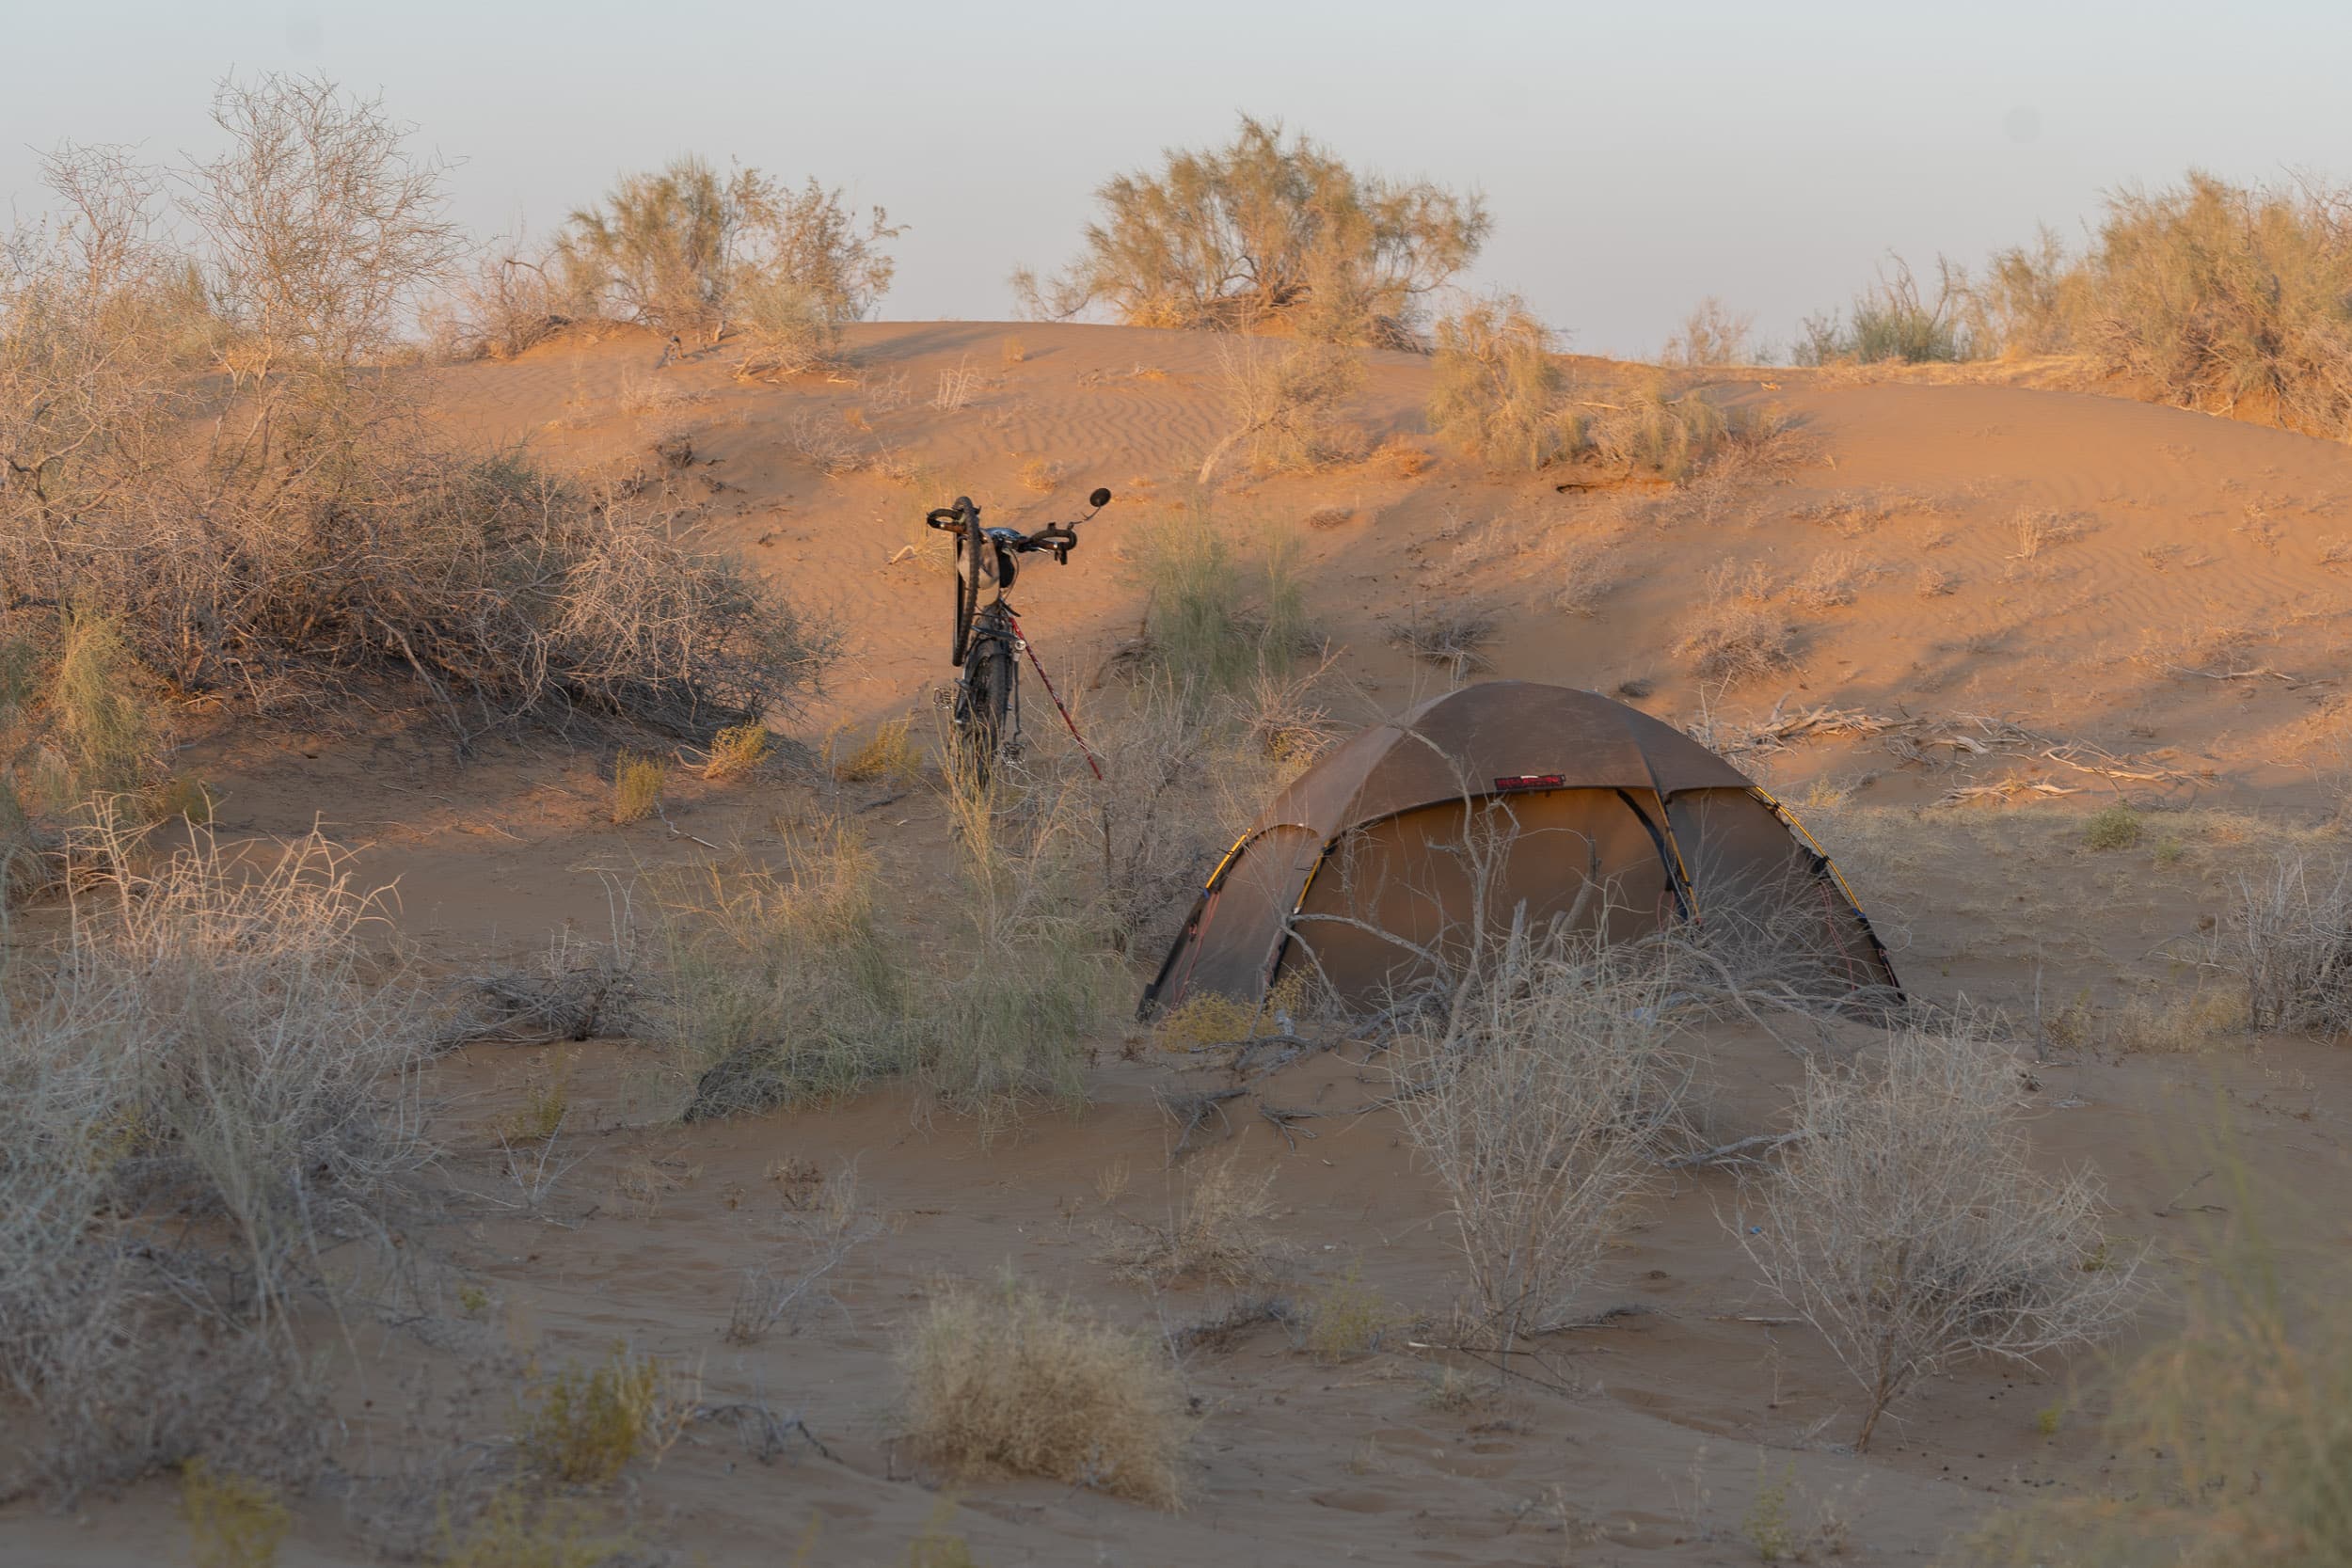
(1566, 806)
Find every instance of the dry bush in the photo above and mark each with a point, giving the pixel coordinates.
(587, 1423)
(2211, 295)
(1266, 231)
(1832, 580)
(1540, 1102)
(1284, 403)
(825, 1230)
(824, 443)
(1653, 431)
(1907, 1224)
(688, 249)
(503, 302)
(1495, 385)
(1893, 320)
(784, 988)
(1041, 474)
(1711, 336)
(1734, 634)
(317, 533)
(2115, 827)
(1448, 635)
(636, 782)
(211, 1043)
(1216, 1231)
(1014, 350)
(1003, 1380)
(2287, 938)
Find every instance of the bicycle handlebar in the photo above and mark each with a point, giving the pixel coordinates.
(1058, 537)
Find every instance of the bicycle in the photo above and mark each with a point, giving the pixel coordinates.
(988, 636)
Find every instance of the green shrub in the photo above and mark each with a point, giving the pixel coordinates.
(2115, 827)
(589, 1422)
(1266, 231)
(1495, 385)
(1892, 320)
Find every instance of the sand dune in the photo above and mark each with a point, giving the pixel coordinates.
(2138, 590)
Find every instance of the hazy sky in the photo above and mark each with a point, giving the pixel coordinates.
(1635, 156)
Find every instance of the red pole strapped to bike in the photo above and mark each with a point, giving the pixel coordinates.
(1051, 693)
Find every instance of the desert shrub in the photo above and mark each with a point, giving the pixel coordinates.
(1539, 1102)
(2026, 299)
(2115, 827)
(687, 249)
(2219, 295)
(1003, 1379)
(2229, 1435)
(1009, 1030)
(1893, 320)
(233, 1521)
(1261, 231)
(1734, 633)
(1283, 401)
(1654, 431)
(2287, 938)
(1710, 336)
(1908, 1227)
(588, 1422)
(1216, 1231)
(785, 987)
(636, 780)
(1495, 383)
(319, 533)
(212, 1037)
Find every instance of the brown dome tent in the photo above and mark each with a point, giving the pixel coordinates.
(1567, 806)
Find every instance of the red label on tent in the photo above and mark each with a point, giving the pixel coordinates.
(1527, 781)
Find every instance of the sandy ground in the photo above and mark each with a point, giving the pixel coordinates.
(2114, 599)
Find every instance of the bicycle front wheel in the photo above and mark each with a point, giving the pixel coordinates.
(969, 543)
(986, 699)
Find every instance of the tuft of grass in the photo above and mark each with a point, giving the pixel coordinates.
(2115, 827)
(1894, 319)
(1448, 636)
(1767, 1527)
(1215, 1235)
(1402, 457)
(2288, 939)
(182, 797)
(1041, 474)
(233, 1521)
(518, 1531)
(1735, 634)
(636, 780)
(1005, 1380)
(1345, 1318)
(1014, 350)
(887, 755)
(735, 750)
(110, 738)
(546, 1102)
(589, 1422)
(1220, 617)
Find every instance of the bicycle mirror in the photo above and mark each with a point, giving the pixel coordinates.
(1100, 498)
